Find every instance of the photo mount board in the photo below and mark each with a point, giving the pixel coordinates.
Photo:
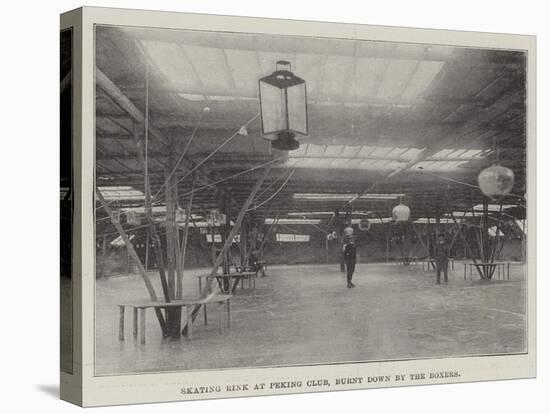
(80, 383)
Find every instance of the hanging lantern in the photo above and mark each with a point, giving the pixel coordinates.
(348, 231)
(132, 218)
(364, 225)
(330, 236)
(283, 107)
(401, 213)
(496, 180)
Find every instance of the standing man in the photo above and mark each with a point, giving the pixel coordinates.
(350, 258)
(441, 258)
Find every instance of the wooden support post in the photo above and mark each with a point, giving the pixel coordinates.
(183, 252)
(238, 221)
(523, 242)
(485, 231)
(147, 241)
(121, 324)
(142, 324)
(189, 321)
(429, 237)
(173, 314)
(326, 250)
(222, 318)
(149, 212)
(226, 210)
(213, 245)
(127, 260)
(437, 221)
(407, 240)
(495, 245)
(243, 242)
(459, 230)
(467, 245)
(419, 236)
(453, 240)
(229, 311)
(103, 253)
(388, 245)
(128, 243)
(135, 322)
(267, 235)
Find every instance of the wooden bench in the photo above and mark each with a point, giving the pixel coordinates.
(230, 288)
(139, 310)
(407, 260)
(488, 270)
(427, 263)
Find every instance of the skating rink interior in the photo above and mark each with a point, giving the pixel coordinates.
(197, 172)
(303, 314)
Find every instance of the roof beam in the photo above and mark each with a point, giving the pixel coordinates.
(318, 98)
(127, 105)
(336, 47)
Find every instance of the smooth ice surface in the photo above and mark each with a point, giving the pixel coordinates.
(306, 315)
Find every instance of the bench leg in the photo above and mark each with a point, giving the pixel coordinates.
(228, 313)
(205, 315)
(189, 310)
(222, 322)
(142, 324)
(121, 324)
(135, 323)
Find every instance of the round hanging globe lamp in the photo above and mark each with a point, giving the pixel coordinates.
(496, 180)
(348, 231)
(401, 213)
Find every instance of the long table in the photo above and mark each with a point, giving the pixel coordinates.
(488, 270)
(140, 308)
(228, 282)
(407, 260)
(426, 263)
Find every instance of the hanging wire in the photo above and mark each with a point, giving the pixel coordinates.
(180, 159)
(214, 152)
(236, 175)
(271, 185)
(275, 193)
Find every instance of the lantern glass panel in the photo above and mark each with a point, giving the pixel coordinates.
(297, 108)
(273, 108)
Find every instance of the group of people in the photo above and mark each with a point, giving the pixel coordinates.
(441, 256)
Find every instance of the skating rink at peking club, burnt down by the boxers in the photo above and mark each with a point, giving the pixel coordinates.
(379, 216)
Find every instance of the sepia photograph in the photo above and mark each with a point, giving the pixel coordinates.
(271, 200)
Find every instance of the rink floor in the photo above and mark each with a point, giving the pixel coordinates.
(305, 315)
